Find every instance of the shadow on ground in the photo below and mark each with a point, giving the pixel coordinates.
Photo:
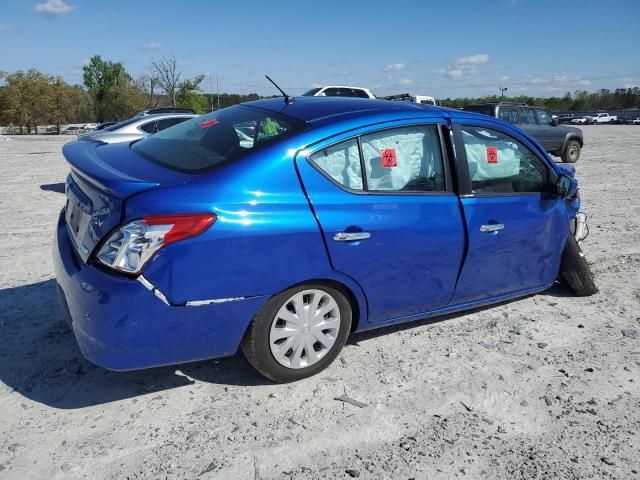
(39, 357)
(53, 187)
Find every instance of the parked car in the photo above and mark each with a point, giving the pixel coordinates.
(339, 91)
(565, 117)
(600, 118)
(407, 97)
(136, 128)
(154, 111)
(635, 121)
(342, 215)
(102, 126)
(73, 130)
(559, 140)
(584, 120)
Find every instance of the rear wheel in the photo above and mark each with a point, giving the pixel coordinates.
(571, 152)
(575, 271)
(298, 333)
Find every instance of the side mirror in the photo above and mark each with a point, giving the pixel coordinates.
(555, 122)
(565, 187)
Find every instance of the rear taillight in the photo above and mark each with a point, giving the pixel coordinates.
(132, 245)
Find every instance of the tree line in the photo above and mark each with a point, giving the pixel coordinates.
(110, 93)
(579, 101)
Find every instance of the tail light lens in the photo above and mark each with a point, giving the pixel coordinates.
(130, 247)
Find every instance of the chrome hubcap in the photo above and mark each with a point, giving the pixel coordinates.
(304, 329)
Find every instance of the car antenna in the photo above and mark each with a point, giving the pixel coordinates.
(288, 99)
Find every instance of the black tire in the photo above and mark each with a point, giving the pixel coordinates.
(575, 271)
(255, 344)
(571, 152)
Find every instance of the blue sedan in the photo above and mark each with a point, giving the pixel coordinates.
(280, 227)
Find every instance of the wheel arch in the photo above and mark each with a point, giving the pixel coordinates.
(350, 289)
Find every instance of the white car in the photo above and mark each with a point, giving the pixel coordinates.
(603, 118)
(635, 121)
(407, 97)
(581, 120)
(339, 91)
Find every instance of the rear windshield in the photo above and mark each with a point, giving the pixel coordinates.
(204, 142)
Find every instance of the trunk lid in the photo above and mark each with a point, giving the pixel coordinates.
(102, 178)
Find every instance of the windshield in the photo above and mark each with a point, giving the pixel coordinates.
(204, 142)
(311, 92)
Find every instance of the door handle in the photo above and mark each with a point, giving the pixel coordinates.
(351, 236)
(494, 227)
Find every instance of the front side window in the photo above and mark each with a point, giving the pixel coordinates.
(544, 118)
(342, 163)
(498, 163)
(218, 137)
(407, 159)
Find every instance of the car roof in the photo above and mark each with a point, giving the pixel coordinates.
(342, 86)
(314, 109)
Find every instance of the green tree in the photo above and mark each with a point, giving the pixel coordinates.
(101, 78)
(26, 99)
(190, 95)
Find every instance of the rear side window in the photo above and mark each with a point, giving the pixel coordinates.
(342, 163)
(407, 159)
(149, 127)
(499, 163)
(218, 137)
(355, 92)
(509, 114)
(528, 116)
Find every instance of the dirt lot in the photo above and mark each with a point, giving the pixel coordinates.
(543, 387)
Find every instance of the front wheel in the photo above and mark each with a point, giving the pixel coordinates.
(575, 271)
(298, 333)
(571, 152)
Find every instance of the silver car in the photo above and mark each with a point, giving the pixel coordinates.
(136, 127)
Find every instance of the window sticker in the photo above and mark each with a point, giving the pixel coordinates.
(492, 154)
(209, 123)
(388, 157)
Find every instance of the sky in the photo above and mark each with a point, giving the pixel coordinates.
(440, 48)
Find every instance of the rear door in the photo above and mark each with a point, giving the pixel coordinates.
(388, 214)
(516, 225)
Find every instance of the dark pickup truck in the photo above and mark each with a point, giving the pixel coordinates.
(559, 140)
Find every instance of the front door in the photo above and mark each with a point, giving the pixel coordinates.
(516, 225)
(389, 216)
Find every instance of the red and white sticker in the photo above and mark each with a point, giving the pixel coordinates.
(492, 154)
(209, 123)
(388, 156)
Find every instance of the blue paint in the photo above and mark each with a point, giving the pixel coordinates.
(276, 218)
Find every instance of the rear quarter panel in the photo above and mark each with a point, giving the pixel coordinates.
(265, 238)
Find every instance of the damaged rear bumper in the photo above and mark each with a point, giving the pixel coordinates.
(124, 324)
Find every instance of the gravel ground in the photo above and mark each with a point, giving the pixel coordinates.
(543, 387)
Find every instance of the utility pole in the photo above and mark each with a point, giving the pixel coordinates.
(218, 89)
(210, 94)
(502, 90)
